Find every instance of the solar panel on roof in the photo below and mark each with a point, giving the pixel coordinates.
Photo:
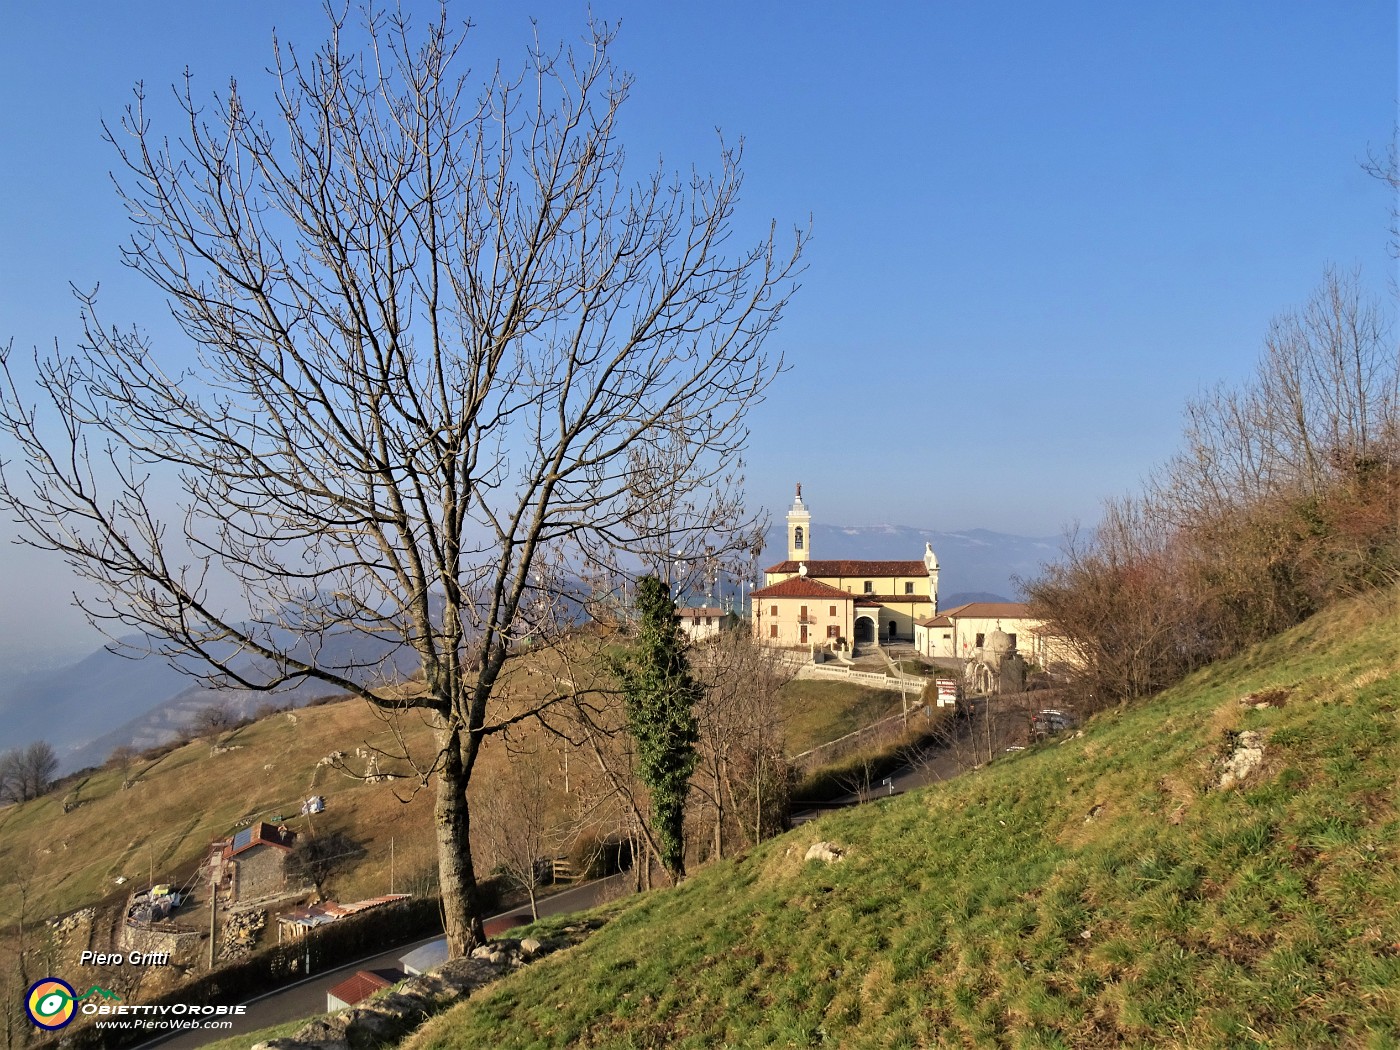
(242, 839)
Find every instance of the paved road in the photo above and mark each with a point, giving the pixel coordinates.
(976, 739)
(307, 997)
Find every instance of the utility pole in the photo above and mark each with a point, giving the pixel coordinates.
(391, 865)
(213, 909)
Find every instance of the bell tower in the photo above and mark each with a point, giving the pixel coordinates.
(799, 528)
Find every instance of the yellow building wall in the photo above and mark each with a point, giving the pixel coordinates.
(789, 620)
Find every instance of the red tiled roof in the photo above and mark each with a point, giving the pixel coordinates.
(364, 984)
(703, 610)
(980, 610)
(801, 587)
(991, 610)
(854, 568)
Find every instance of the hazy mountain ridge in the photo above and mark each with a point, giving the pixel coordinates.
(978, 561)
(106, 700)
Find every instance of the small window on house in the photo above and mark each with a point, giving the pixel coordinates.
(947, 636)
(869, 587)
(980, 639)
(707, 621)
(773, 611)
(803, 614)
(833, 631)
(772, 630)
(908, 588)
(833, 611)
(1013, 640)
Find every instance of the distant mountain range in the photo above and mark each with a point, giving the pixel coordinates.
(105, 700)
(978, 562)
(87, 708)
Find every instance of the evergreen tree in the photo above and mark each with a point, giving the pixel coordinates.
(661, 696)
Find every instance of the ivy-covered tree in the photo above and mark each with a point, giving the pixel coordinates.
(660, 696)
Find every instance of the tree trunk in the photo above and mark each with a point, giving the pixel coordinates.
(461, 904)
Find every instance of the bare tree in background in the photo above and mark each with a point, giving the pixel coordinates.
(1284, 496)
(211, 720)
(27, 772)
(742, 775)
(440, 332)
(515, 823)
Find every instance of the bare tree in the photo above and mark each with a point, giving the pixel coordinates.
(1286, 494)
(514, 823)
(439, 333)
(1323, 404)
(212, 719)
(318, 858)
(742, 774)
(27, 772)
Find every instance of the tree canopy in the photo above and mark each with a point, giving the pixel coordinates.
(451, 354)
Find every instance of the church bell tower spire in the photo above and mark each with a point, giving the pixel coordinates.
(799, 529)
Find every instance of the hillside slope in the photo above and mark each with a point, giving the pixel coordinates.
(1101, 891)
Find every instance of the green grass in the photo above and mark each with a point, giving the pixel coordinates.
(816, 711)
(1093, 891)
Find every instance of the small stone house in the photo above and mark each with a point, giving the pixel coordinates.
(252, 863)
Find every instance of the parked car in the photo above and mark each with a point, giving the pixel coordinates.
(1050, 721)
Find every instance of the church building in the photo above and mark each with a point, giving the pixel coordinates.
(805, 601)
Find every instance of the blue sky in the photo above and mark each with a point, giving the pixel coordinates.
(1037, 228)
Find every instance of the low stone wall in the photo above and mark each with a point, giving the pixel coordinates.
(393, 1016)
(135, 937)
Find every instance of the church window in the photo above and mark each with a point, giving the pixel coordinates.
(797, 538)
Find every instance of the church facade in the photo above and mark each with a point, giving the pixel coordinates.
(812, 602)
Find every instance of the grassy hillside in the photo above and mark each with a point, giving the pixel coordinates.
(1100, 891)
(179, 802)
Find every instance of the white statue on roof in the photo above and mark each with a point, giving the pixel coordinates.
(931, 564)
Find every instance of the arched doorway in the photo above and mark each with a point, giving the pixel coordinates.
(865, 629)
